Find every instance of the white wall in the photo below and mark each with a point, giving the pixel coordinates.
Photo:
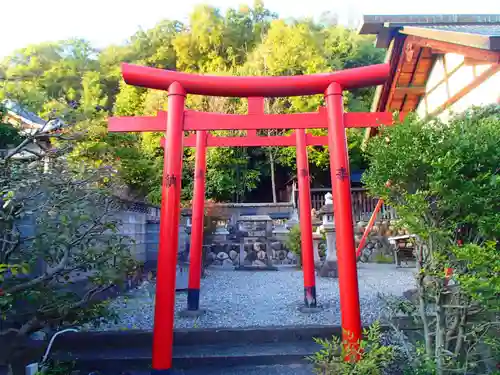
(439, 89)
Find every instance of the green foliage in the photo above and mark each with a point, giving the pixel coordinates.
(422, 365)
(9, 135)
(37, 74)
(373, 356)
(381, 258)
(445, 187)
(229, 175)
(481, 278)
(303, 47)
(293, 243)
(129, 101)
(57, 368)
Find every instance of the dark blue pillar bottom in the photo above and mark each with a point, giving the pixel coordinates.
(310, 296)
(193, 300)
(162, 372)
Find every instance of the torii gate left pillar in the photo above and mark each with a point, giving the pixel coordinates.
(169, 236)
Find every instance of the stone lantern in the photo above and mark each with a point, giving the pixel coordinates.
(293, 220)
(317, 238)
(329, 268)
(280, 232)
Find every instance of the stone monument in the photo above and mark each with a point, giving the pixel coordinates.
(255, 247)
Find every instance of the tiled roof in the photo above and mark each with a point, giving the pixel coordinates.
(16, 108)
(474, 30)
(486, 30)
(29, 117)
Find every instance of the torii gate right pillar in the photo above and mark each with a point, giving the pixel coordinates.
(346, 254)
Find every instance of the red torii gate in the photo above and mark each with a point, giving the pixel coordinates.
(177, 120)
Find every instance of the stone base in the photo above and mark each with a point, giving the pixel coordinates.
(329, 269)
(191, 313)
(310, 310)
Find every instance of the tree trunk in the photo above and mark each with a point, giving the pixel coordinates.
(439, 345)
(421, 300)
(273, 180)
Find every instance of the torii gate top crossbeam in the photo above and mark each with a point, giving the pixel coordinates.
(233, 86)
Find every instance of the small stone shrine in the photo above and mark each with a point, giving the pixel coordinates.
(221, 232)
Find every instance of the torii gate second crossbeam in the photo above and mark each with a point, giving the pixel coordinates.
(178, 120)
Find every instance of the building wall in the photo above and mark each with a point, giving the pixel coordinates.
(449, 82)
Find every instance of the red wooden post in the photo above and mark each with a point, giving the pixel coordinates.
(195, 253)
(339, 168)
(369, 227)
(169, 233)
(305, 220)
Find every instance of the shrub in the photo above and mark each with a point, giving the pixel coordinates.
(445, 186)
(60, 249)
(373, 356)
(293, 243)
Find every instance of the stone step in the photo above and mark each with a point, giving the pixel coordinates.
(200, 357)
(116, 340)
(293, 369)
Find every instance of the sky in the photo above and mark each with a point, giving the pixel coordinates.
(105, 22)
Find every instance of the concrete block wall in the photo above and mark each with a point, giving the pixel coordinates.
(133, 225)
(153, 235)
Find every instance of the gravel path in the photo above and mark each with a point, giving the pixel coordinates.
(264, 298)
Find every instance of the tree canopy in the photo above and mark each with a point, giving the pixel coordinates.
(82, 85)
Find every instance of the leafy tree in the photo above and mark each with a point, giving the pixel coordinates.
(48, 71)
(304, 47)
(129, 101)
(59, 246)
(9, 136)
(93, 97)
(445, 187)
(81, 85)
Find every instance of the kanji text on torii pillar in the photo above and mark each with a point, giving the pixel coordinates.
(178, 120)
